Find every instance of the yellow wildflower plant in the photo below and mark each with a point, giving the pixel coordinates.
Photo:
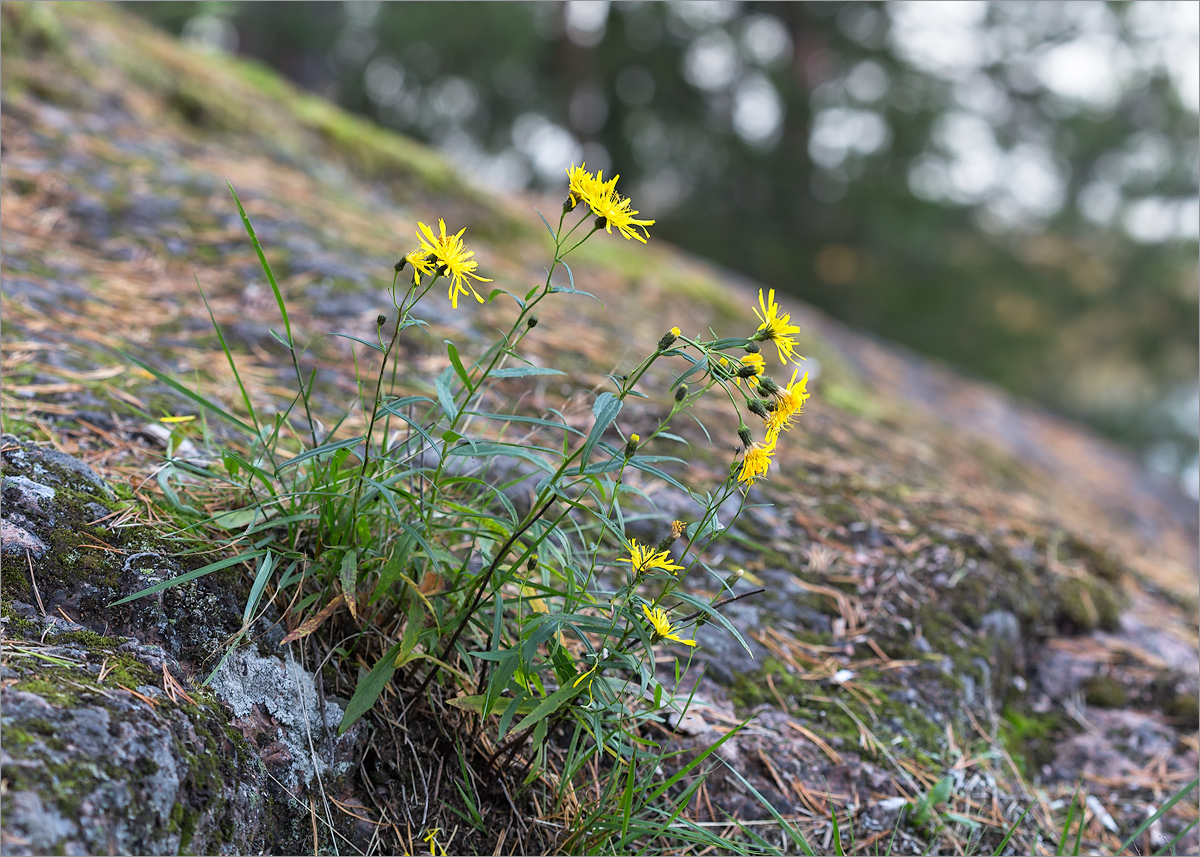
(643, 558)
(789, 401)
(756, 461)
(662, 625)
(453, 260)
(775, 327)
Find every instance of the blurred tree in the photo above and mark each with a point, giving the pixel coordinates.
(1011, 187)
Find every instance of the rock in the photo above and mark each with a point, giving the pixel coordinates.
(109, 743)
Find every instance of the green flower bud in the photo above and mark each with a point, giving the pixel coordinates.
(399, 266)
(532, 322)
(752, 347)
(681, 392)
(757, 407)
(631, 445)
(745, 437)
(380, 320)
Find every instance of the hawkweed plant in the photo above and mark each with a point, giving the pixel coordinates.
(498, 572)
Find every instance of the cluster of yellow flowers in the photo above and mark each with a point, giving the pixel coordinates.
(443, 255)
(779, 405)
(610, 208)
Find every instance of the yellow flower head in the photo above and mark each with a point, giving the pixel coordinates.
(643, 558)
(756, 461)
(580, 184)
(789, 401)
(662, 625)
(775, 327)
(604, 201)
(451, 258)
(422, 263)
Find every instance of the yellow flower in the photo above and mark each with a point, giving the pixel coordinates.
(757, 460)
(421, 262)
(580, 184)
(789, 401)
(604, 201)
(677, 332)
(662, 625)
(775, 327)
(453, 260)
(643, 558)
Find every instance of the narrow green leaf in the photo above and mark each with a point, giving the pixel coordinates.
(457, 363)
(523, 371)
(262, 260)
(191, 575)
(237, 376)
(548, 226)
(414, 622)
(445, 396)
(265, 567)
(547, 706)
(492, 296)
(485, 450)
(323, 449)
(184, 391)
(374, 345)
(368, 690)
(391, 571)
(348, 578)
(605, 408)
(395, 409)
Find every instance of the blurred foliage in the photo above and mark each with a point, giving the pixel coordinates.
(1011, 187)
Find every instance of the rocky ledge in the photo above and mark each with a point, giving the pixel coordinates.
(112, 742)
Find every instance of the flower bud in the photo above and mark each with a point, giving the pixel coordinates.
(681, 392)
(531, 564)
(757, 407)
(747, 371)
(631, 445)
(734, 578)
(569, 203)
(668, 339)
(380, 320)
(770, 386)
(532, 322)
(745, 437)
(752, 347)
(399, 266)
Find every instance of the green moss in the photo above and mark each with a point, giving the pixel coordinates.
(50, 691)
(1030, 738)
(14, 737)
(1104, 692)
(1085, 604)
(1183, 706)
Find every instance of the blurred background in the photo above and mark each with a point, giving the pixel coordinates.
(1009, 187)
